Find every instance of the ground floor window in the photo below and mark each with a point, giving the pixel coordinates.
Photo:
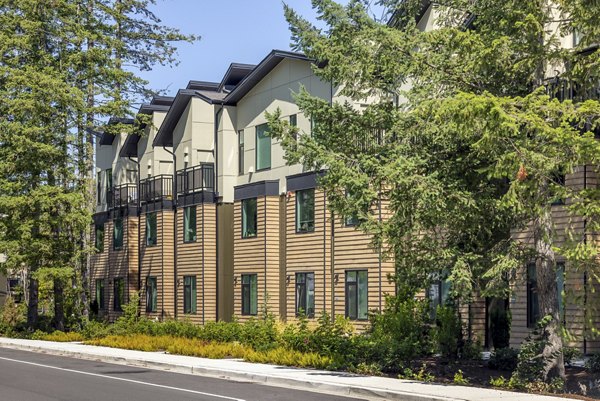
(119, 294)
(356, 295)
(99, 239)
(151, 294)
(189, 294)
(249, 294)
(100, 294)
(438, 293)
(305, 294)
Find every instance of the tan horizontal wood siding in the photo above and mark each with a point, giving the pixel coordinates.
(123, 263)
(99, 267)
(308, 253)
(258, 255)
(198, 259)
(575, 287)
(225, 261)
(157, 261)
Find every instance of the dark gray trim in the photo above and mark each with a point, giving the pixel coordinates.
(156, 206)
(196, 198)
(302, 181)
(256, 189)
(100, 218)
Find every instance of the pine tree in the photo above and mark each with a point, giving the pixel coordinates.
(462, 138)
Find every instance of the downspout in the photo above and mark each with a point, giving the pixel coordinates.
(139, 233)
(174, 196)
(585, 273)
(332, 267)
(218, 113)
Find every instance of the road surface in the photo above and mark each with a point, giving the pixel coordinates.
(29, 376)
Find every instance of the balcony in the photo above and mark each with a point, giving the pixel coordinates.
(123, 196)
(196, 184)
(563, 89)
(156, 192)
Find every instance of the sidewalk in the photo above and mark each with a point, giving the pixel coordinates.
(307, 379)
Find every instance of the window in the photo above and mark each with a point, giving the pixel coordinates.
(119, 294)
(189, 224)
(189, 294)
(249, 294)
(263, 147)
(533, 308)
(560, 287)
(356, 295)
(100, 293)
(99, 240)
(99, 186)
(559, 179)
(241, 152)
(109, 184)
(118, 233)
(151, 294)
(438, 294)
(249, 219)
(305, 294)
(305, 210)
(151, 239)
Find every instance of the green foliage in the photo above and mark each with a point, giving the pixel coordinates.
(57, 335)
(499, 382)
(593, 363)
(12, 315)
(448, 332)
(504, 359)
(460, 379)
(421, 375)
(570, 354)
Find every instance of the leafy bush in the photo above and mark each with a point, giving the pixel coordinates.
(399, 334)
(471, 349)
(297, 336)
(448, 332)
(422, 375)
(286, 357)
(504, 359)
(593, 363)
(570, 354)
(332, 337)
(460, 379)
(500, 382)
(260, 334)
(57, 336)
(11, 316)
(221, 332)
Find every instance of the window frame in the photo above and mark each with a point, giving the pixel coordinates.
(250, 288)
(120, 242)
(151, 294)
(297, 217)
(99, 244)
(356, 284)
(99, 187)
(151, 229)
(241, 150)
(533, 308)
(118, 294)
(259, 129)
(100, 294)
(190, 295)
(308, 310)
(244, 220)
(186, 225)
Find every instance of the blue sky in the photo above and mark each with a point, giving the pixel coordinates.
(241, 31)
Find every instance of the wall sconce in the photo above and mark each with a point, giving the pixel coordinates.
(179, 282)
(336, 278)
(235, 280)
(288, 279)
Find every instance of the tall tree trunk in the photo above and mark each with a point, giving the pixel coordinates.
(32, 305)
(547, 289)
(59, 303)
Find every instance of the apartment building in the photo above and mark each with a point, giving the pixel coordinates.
(114, 265)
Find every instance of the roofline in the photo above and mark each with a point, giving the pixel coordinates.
(129, 141)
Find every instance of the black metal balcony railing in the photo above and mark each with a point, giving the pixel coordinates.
(156, 189)
(196, 179)
(123, 195)
(564, 89)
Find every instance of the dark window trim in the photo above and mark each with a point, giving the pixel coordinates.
(530, 290)
(151, 306)
(102, 301)
(155, 236)
(241, 152)
(306, 313)
(346, 285)
(249, 313)
(190, 306)
(195, 225)
(117, 301)
(242, 202)
(120, 247)
(256, 149)
(314, 229)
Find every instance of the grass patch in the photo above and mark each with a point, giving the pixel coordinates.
(58, 336)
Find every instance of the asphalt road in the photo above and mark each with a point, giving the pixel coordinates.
(29, 376)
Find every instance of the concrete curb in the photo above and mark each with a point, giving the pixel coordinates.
(315, 386)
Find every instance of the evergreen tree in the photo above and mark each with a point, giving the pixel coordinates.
(462, 139)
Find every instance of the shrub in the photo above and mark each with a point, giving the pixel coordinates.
(422, 375)
(297, 336)
(331, 337)
(286, 357)
(570, 354)
(593, 363)
(471, 349)
(460, 379)
(94, 329)
(449, 332)
(221, 332)
(11, 316)
(500, 382)
(504, 359)
(57, 336)
(260, 334)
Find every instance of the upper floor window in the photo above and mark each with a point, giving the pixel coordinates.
(241, 152)
(249, 218)
(189, 224)
(109, 180)
(99, 240)
(118, 233)
(151, 237)
(305, 210)
(263, 147)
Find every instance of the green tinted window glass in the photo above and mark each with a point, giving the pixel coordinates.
(263, 147)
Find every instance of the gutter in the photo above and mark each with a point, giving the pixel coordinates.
(218, 113)
(138, 213)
